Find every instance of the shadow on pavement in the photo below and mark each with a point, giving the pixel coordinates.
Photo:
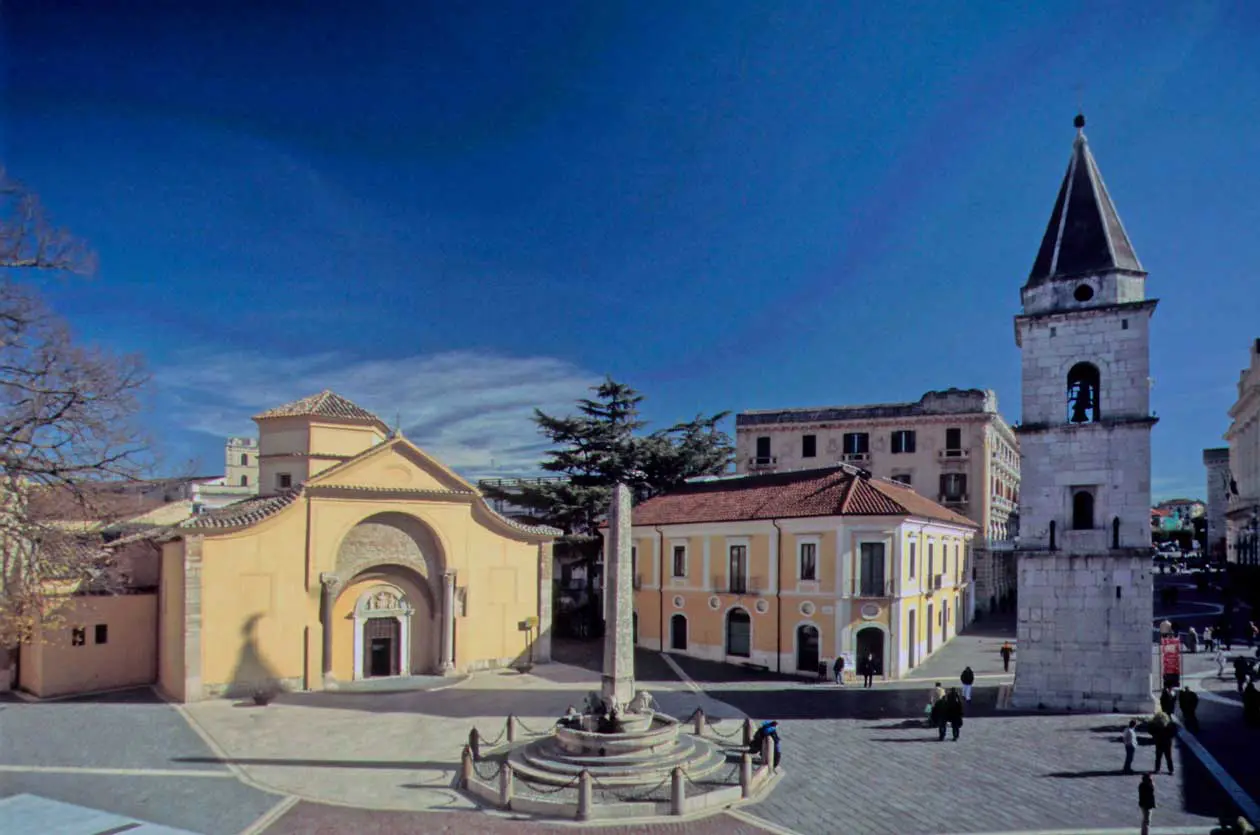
(402, 765)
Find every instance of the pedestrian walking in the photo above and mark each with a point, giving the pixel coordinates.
(1240, 673)
(1251, 704)
(1220, 662)
(1192, 640)
(967, 678)
(1209, 641)
(1130, 745)
(1165, 628)
(868, 672)
(1005, 652)
(938, 693)
(1167, 701)
(1162, 732)
(1146, 802)
(953, 712)
(1188, 701)
(1253, 631)
(838, 669)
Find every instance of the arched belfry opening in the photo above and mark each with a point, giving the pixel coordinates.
(1083, 384)
(1082, 510)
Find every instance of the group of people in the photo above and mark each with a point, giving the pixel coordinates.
(867, 668)
(945, 709)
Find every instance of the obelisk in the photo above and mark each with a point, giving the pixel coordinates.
(618, 678)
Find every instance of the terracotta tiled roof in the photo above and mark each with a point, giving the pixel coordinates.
(245, 512)
(325, 404)
(834, 491)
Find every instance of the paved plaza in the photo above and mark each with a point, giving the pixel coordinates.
(855, 760)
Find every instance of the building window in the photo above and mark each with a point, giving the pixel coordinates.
(78, 636)
(914, 558)
(903, 440)
(1083, 385)
(953, 440)
(634, 563)
(953, 487)
(763, 447)
(680, 561)
(738, 633)
(857, 443)
(872, 569)
(931, 560)
(808, 568)
(1082, 510)
(944, 557)
(102, 633)
(809, 446)
(738, 567)
(284, 481)
(244, 460)
(902, 478)
(244, 481)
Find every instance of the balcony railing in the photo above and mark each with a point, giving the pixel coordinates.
(954, 499)
(955, 454)
(856, 457)
(873, 588)
(738, 585)
(762, 462)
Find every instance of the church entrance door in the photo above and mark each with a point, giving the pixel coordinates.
(381, 644)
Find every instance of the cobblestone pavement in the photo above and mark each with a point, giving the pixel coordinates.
(318, 819)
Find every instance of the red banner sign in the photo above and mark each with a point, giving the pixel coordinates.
(1170, 652)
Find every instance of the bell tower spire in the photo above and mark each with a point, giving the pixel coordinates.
(1085, 581)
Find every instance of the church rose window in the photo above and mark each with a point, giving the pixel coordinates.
(1083, 383)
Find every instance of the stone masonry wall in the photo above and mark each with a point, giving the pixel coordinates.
(1080, 645)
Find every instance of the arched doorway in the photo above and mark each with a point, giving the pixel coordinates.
(382, 631)
(678, 633)
(870, 640)
(807, 648)
(738, 633)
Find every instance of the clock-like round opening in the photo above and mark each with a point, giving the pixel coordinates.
(1084, 293)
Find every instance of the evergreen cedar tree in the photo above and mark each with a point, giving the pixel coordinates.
(603, 444)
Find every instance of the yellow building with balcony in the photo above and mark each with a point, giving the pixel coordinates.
(786, 570)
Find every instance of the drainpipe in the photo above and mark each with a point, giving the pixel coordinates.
(660, 579)
(778, 599)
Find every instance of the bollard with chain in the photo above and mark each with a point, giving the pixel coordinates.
(677, 792)
(505, 786)
(585, 792)
(474, 744)
(745, 775)
(767, 752)
(748, 731)
(511, 728)
(466, 767)
(699, 721)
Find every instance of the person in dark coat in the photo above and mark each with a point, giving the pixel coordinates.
(767, 729)
(1188, 701)
(1005, 652)
(939, 717)
(1167, 701)
(1251, 704)
(838, 669)
(1146, 801)
(1240, 673)
(967, 678)
(953, 713)
(1162, 732)
(868, 669)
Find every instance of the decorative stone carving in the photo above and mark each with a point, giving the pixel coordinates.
(679, 602)
(762, 606)
(715, 603)
(384, 600)
(807, 608)
(642, 702)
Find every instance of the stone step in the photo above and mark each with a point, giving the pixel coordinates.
(699, 760)
(676, 752)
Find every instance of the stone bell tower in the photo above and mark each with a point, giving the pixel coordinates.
(1085, 582)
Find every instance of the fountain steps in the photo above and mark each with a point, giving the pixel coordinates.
(546, 763)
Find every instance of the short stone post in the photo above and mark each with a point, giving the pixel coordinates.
(748, 731)
(505, 786)
(745, 774)
(511, 728)
(474, 743)
(678, 792)
(699, 721)
(586, 792)
(466, 767)
(767, 752)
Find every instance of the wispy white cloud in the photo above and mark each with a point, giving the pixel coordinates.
(472, 410)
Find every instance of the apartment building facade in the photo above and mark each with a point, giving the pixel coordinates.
(952, 447)
(1242, 514)
(786, 571)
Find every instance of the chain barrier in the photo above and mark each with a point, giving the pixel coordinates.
(543, 788)
(494, 775)
(690, 718)
(527, 729)
(739, 730)
(490, 743)
(631, 796)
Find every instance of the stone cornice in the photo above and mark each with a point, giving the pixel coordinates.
(1105, 423)
(379, 493)
(1087, 312)
(901, 422)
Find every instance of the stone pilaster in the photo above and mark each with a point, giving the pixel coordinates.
(192, 619)
(447, 660)
(330, 586)
(618, 677)
(542, 646)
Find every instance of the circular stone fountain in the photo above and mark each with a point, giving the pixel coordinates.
(649, 747)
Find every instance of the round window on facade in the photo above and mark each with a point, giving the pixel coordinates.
(1083, 293)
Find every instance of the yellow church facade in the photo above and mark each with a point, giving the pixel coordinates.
(362, 557)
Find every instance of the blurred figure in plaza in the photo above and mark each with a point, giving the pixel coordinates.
(1188, 701)
(953, 712)
(838, 669)
(1146, 802)
(1240, 673)
(1220, 662)
(1130, 745)
(1209, 643)
(868, 669)
(1167, 701)
(1251, 704)
(1165, 627)
(1163, 729)
(967, 678)
(1192, 641)
(1005, 652)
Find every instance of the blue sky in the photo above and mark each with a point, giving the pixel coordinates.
(455, 212)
